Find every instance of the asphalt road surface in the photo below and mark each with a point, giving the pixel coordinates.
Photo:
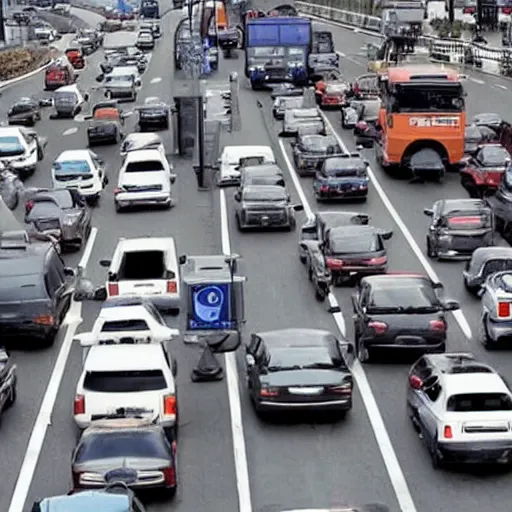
(372, 456)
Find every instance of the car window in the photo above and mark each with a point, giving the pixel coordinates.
(357, 243)
(479, 402)
(301, 358)
(125, 325)
(434, 392)
(145, 166)
(44, 210)
(422, 369)
(404, 293)
(53, 280)
(155, 313)
(130, 381)
(493, 266)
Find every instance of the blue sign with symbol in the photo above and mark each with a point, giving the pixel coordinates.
(211, 307)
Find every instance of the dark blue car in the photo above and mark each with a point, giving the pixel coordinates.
(115, 498)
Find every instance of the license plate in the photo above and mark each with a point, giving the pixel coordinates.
(306, 391)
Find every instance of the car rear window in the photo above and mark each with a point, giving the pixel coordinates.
(145, 166)
(20, 288)
(44, 209)
(129, 381)
(121, 444)
(479, 402)
(125, 325)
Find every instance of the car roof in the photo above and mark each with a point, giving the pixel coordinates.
(146, 244)
(68, 88)
(112, 358)
(333, 218)
(141, 155)
(87, 501)
(6, 131)
(352, 230)
(449, 205)
(263, 169)
(483, 254)
(122, 301)
(74, 154)
(34, 259)
(466, 383)
(244, 151)
(296, 337)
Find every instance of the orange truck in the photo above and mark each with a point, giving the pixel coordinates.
(422, 107)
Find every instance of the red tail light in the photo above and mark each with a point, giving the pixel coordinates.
(324, 188)
(44, 320)
(117, 190)
(172, 287)
(469, 10)
(438, 325)
(415, 382)
(448, 434)
(76, 480)
(269, 392)
(169, 405)
(113, 289)
(344, 389)
(334, 263)
(506, 10)
(378, 261)
(79, 405)
(378, 327)
(169, 476)
(362, 125)
(356, 89)
(503, 309)
(28, 206)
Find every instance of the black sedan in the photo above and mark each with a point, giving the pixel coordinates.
(485, 262)
(355, 251)
(399, 312)
(265, 207)
(154, 114)
(310, 152)
(111, 446)
(299, 369)
(61, 213)
(342, 177)
(458, 227)
(7, 381)
(25, 111)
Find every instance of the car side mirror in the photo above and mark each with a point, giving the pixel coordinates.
(100, 294)
(174, 367)
(172, 179)
(237, 168)
(386, 235)
(429, 212)
(298, 207)
(105, 263)
(86, 96)
(451, 305)
(250, 361)
(70, 272)
(99, 78)
(238, 196)
(182, 259)
(293, 143)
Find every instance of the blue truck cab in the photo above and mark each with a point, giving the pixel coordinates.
(106, 500)
(277, 50)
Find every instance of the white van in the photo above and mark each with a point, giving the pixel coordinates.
(145, 267)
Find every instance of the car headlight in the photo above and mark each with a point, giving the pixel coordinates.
(69, 220)
(256, 68)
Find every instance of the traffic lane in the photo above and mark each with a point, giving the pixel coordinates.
(279, 295)
(33, 366)
(90, 17)
(205, 443)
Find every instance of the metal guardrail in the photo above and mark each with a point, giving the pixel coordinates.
(453, 51)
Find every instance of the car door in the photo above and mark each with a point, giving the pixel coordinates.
(420, 370)
(436, 222)
(57, 286)
(429, 405)
(99, 167)
(359, 304)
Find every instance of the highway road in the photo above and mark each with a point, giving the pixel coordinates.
(372, 456)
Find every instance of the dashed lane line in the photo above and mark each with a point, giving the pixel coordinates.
(69, 131)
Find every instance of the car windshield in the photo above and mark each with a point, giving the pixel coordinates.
(403, 293)
(299, 358)
(479, 402)
(132, 381)
(370, 110)
(72, 167)
(264, 195)
(145, 166)
(336, 88)
(44, 210)
(65, 97)
(356, 243)
(318, 142)
(121, 444)
(125, 325)
(11, 146)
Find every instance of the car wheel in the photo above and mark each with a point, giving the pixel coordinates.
(40, 153)
(343, 125)
(239, 224)
(119, 208)
(484, 335)
(412, 416)
(431, 252)
(12, 397)
(310, 274)
(363, 354)
(320, 295)
(32, 121)
(437, 463)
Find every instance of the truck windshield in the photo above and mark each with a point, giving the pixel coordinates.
(427, 98)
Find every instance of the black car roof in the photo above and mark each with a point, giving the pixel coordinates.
(33, 257)
(344, 162)
(452, 205)
(332, 219)
(282, 338)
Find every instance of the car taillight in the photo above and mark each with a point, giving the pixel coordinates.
(113, 289)
(506, 10)
(378, 327)
(324, 188)
(362, 125)
(169, 405)
(382, 260)
(269, 392)
(334, 263)
(76, 479)
(448, 434)
(117, 190)
(503, 309)
(344, 389)
(28, 206)
(437, 325)
(79, 405)
(468, 10)
(415, 382)
(44, 320)
(172, 287)
(169, 476)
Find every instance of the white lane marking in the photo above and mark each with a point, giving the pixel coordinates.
(340, 54)
(477, 80)
(354, 61)
(235, 409)
(458, 315)
(500, 86)
(156, 80)
(387, 451)
(70, 131)
(44, 420)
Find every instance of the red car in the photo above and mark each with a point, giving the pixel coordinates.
(483, 172)
(331, 94)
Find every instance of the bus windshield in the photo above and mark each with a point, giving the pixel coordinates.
(427, 98)
(274, 55)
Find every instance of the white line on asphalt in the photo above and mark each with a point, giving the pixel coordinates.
(70, 131)
(500, 86)
(156, 80)
(396, 475)
(477, 80)
(354, 61)
(235, 408)
(458, 315)
(44, 420)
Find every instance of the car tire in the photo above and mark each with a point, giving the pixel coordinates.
(12, 397)
(119, 209)
(484, 336)
(431, 253)
(320, 295)
(412, 416)
(437, 462)
(239, 225)
(40, 153)
(363, 354)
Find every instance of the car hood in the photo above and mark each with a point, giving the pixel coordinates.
(303, 377)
